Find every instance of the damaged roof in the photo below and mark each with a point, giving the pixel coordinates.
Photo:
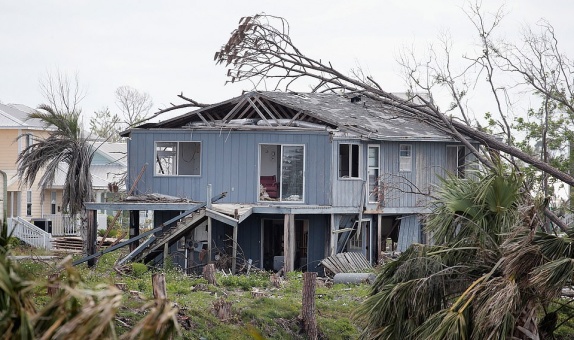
(353, 115)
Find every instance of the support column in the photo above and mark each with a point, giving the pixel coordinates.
(134, 228)
(333, 236)
(91, 235)
(289, 242)
(379, 237)
(234, 254)
(209, 231)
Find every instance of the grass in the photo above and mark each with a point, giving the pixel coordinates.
(275, 315)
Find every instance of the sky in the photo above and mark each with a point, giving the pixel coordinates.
(166, 47)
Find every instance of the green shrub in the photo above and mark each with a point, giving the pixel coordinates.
(138, 269)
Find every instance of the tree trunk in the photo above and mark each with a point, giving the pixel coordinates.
(308, 309)
(209, 274)
(158, 284)
(527, 323)
(90, 225)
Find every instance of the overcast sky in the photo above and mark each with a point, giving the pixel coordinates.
(167, 47)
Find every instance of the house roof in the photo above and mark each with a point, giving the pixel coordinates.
(16, 116)
(352, 115)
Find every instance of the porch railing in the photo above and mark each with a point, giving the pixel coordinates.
(29, 233)
(63, 224)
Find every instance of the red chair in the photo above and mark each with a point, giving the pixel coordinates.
(270, 184)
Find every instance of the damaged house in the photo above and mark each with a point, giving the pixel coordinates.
(306, 176)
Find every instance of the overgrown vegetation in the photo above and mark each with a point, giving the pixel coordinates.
(274, 313)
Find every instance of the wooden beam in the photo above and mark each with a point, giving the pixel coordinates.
(234, 254)
(91, 237)
(209, 231)
(379, 238)
(222, 217)
(294, 118)
(267, 110)
(289, 242)
(258, 111)
(334, 236)
(237, 106)
(134, 228)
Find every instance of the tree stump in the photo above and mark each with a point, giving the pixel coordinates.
(222, 309)
(53, 284)
(121, 286)
(158, 284)
(308, 308)
(209, 274)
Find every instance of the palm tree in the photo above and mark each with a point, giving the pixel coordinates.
(490, 273)
(67, 146)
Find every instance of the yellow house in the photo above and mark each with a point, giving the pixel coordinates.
(47, 212)
(16, 133)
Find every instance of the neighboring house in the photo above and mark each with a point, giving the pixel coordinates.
(307, 175)
(16, 133)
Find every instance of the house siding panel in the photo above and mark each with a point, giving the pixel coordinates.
(236, 171)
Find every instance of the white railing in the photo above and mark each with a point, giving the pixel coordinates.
(29, 233)
(63, 224)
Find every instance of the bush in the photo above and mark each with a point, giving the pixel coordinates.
(138, 269)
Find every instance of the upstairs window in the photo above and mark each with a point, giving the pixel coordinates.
(28, 203)
(456, 160)
(349, 159)
(373, 173)
(406, 157)
(178, 158)
(281, 172)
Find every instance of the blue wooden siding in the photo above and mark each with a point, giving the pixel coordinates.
(229, 161)
(347, 192)
(409, 232)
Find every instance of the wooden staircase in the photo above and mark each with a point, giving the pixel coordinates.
(169, 236)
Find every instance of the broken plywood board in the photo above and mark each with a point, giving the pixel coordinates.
(347, 263)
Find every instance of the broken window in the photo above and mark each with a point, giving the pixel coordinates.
(178, 158)
(281, 172)
(406, 157)
(456, 160)
(349, 159)
(373, 173)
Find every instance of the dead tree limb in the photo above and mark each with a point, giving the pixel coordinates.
(260, 49)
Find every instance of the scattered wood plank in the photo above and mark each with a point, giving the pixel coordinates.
(347, 263)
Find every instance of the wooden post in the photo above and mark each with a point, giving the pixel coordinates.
(165, 254)
(53, 284)
(91, 235)
(234, 252)
(289, 242)
(209, 241)
(158, 284)
(134, 228)
(334, 236)
(308, 308)
(379, 238)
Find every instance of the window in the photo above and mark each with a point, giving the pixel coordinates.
(406, 157)
(53, 203)
(281, 172)
(178, 158)
(456, 160)
(373, 173)
(28, 203)
(349, 159)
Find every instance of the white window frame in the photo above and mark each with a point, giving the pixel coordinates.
(405, 158)
(369, 168)
(53, 201)
(177, 161)
(280, 176)
(350, 162)
(29, 203)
